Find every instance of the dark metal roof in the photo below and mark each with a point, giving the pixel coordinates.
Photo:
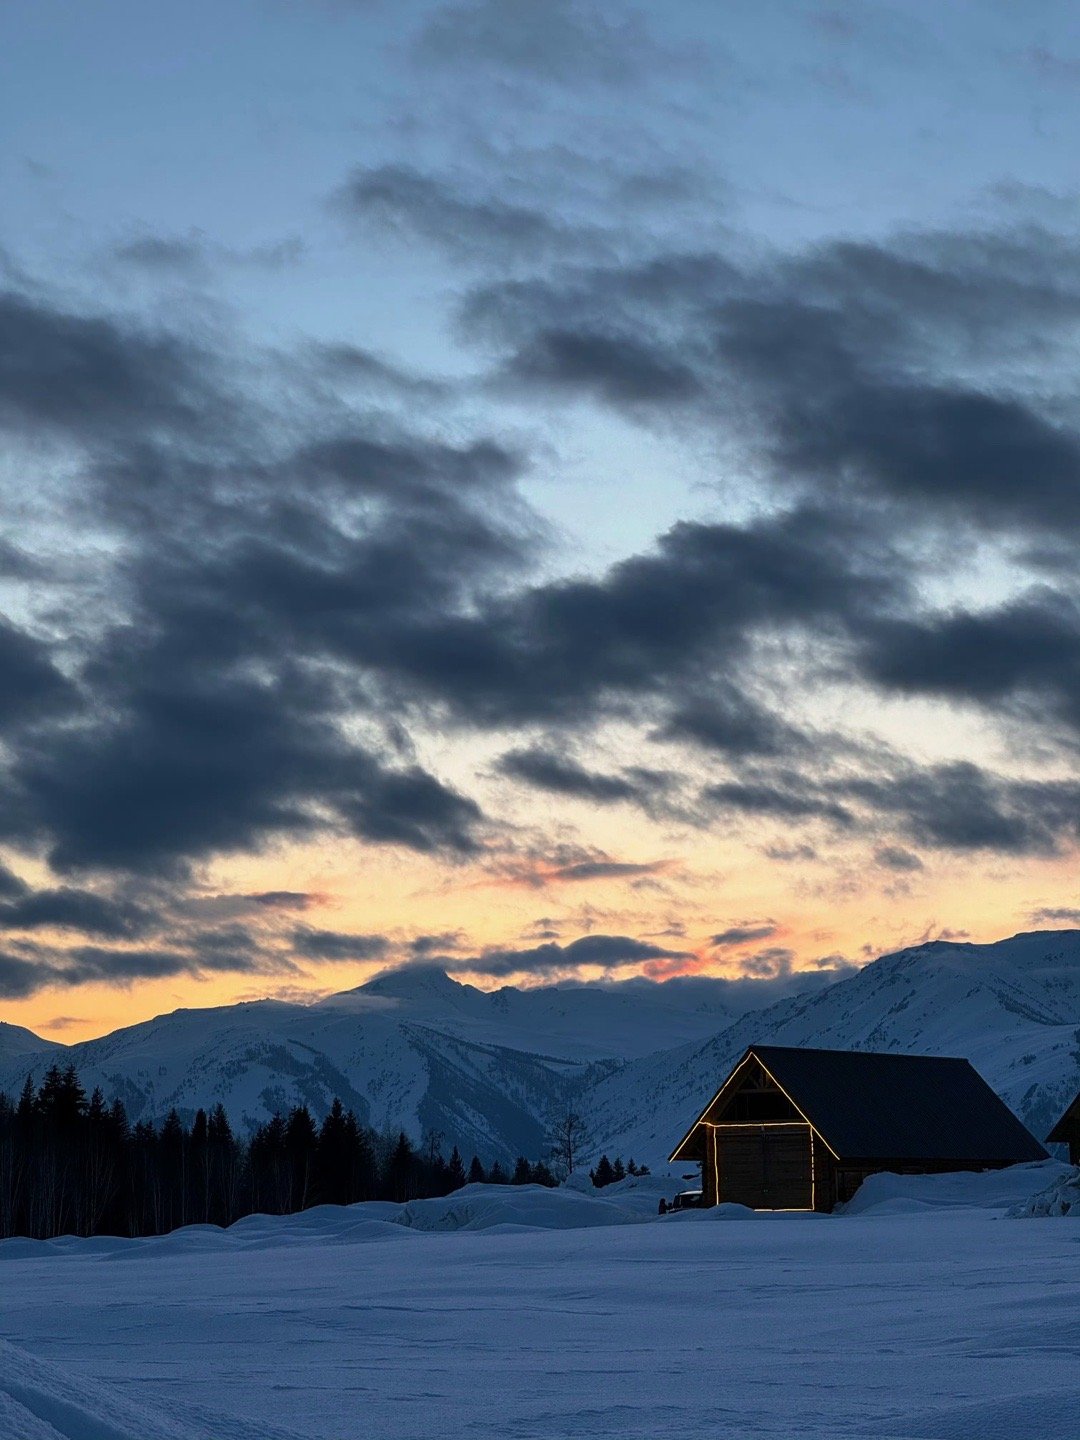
(880, 1107)
(1068, 1127)
(871, 1106)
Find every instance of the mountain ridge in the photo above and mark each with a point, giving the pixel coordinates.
(486, 1069)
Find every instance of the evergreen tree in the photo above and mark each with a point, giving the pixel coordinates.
(455, 1177)
(604, 1173)
(225, 1162)
(334, 1158)
(401, 1170)
(363, 1165)
(72, 1165)
(522, 1172)
(301, 1140)
(199, 1168)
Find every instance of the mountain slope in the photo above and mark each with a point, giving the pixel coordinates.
(1012, 1008)
(487, 1069)
(412, 1048)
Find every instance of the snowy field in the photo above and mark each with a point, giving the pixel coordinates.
(498, 1312)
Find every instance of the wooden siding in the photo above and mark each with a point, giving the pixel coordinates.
(767, 1167)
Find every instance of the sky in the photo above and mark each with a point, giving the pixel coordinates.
(576, 491)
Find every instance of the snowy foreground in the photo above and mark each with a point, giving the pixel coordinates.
(923, 1312)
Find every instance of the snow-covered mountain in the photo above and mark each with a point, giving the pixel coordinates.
(1012, 1008)
(416, 1049)
(412, 1048)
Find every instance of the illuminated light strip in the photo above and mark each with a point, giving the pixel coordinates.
(701, 1118)
(714, 1126)
(787, 1097)
(754, 1124)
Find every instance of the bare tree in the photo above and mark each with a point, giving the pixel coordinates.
(567, 1135)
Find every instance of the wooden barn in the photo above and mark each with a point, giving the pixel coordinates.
(794, 1129)
(1067, 1131)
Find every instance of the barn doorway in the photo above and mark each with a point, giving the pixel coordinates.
(767, 1167)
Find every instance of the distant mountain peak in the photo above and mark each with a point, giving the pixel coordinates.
(411, 982)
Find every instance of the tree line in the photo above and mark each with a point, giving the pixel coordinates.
(610, 1172)
(72, 1165)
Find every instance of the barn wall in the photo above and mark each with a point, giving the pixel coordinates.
(767, 1167)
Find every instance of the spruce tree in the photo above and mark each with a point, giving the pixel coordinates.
(456, 1170)
(522, 1172)
(402, 1170)
(333, 1158)
(604, 1174)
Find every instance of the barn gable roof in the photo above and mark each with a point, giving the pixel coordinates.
(1069, 1124)
(906, 1108)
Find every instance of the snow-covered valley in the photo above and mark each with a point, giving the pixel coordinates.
(923, 1314)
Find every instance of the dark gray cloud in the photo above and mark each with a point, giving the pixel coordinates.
(616, 368)
(853, 370)
(282, 899)
(67, 908)
(90, 375)
(24, 975)
(336, 945)
(195, 255)
(31, 686)
(188, 769)
(789, 853)
(477, 228)
(547, 770)
(961, 806)
(213, 717)
(610, 952)
(895, 857)
(11, 885)
(21, 978)
(354, 366)
(288, 602)
(743, 934)
(1025, 650)
(568, 650)
(775, 962)
(784, 796)
(183, 253)
(731, 722)
(608, 870)
(1063, 915)
(421, 945)
(574, 864)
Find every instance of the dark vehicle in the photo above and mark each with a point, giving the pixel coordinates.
(688, 1200)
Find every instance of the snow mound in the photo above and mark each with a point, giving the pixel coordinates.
(518, 1207)
(42, 1401)
(1061, 1197)
(642, 1193)
(888, 1194)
